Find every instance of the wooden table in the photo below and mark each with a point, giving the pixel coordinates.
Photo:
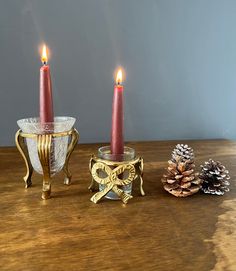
(155, 232)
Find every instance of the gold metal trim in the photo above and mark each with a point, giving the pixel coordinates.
(59, 134)
(21, 146)
(44, 145)
(71, 147)
(112, 170)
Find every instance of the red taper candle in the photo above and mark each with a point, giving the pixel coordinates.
(45, 88)
(117, 137)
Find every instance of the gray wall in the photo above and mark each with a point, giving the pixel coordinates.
(179, 57)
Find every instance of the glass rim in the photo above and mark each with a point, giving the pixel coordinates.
(104, 152)
(35, 120)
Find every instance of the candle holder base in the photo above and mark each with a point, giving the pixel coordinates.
(45, 144)
(114, 179)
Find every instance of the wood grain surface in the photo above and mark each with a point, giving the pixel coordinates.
(155, 232)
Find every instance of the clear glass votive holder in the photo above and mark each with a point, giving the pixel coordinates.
(46, 148)
(59, 144)
(105, 154)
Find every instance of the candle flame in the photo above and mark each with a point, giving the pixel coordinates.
(44, 57)
(119, 77)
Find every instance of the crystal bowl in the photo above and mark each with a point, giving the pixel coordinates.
(59, 144)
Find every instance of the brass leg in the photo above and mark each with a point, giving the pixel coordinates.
(20, 144)
(44, 150)
(71, 147)
(140, 170)
(93, 185)
(141, 185)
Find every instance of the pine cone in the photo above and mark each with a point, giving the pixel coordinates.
(183, 152)
(180, 179)
(215, 178)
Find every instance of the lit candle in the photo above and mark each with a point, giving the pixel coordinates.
(117, 138)
(45, 88)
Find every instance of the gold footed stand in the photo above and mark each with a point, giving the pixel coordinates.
(112, 170)
(44, 144)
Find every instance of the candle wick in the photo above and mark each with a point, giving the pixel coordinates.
(44, 63)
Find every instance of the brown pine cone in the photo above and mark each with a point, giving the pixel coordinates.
(180, 179)
(214, 178)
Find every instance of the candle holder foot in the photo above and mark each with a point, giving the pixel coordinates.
(114, 179)
(47, 153)
(46, 191)
(67, 180)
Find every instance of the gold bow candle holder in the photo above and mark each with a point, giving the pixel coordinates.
(113, 176)
(46, 148)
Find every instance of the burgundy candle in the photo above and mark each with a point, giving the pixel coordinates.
(45, 88)
(117, 137)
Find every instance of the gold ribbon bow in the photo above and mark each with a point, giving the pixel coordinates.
(112, 181)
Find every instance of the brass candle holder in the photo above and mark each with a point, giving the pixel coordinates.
(113, 179)
(48, 152)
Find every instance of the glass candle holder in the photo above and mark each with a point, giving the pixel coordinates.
(105, 154)
(113, 175)
(46, 148)
(59, 144)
